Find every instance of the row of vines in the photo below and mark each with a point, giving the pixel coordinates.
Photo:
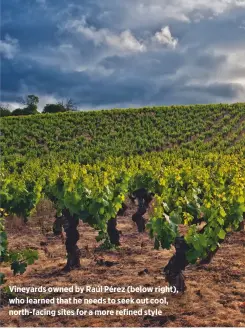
(205, 192)
(86, 137)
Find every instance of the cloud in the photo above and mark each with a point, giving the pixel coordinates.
(125, 41)
(9, 47)
(120, 53)
(187, 10)
(152, 13)
(47, 99)
(12, 105)
(164, 37)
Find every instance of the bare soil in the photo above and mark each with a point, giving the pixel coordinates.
(215, 293)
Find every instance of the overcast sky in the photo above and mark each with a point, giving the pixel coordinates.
(123, 53)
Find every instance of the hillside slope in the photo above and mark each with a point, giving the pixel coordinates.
(88, 136)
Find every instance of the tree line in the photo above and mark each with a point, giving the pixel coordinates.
(31, 105)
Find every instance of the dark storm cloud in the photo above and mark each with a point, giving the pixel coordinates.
(111, 53)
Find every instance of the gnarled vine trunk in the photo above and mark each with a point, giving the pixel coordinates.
(113, 232)
(177, 264)
(72, 237)
(140, 221)
(144, 199)
(242, 225)
(121, 212)
(57, 225)
(209, 257)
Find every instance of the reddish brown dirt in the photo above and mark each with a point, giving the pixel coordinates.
(215, 295)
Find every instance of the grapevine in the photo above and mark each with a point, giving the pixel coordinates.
(198, 196)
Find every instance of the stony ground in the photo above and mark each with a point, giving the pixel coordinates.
(215, 294)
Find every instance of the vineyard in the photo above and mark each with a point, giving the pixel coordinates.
(181, 168)
(85, 137)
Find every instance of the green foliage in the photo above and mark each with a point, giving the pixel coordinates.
(18, 112)
(18, 260)
(106, 244)
(31, 100)
(4, 111)
(195, 168)
(60, 107)
(54, 108)
(209, 187)
(30, 109)
(85, 137)
(21, 259)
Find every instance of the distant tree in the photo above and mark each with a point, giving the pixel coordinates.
(70, 105)
(54, 108)
(31, 100)
(4, 111)
(18, 112)
(31, 109)
(31, 103)
(24, 111)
